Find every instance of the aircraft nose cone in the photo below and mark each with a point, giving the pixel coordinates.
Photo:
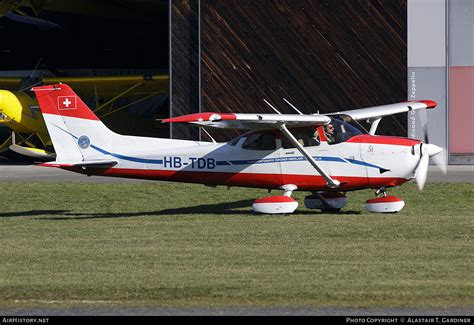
(432, 149)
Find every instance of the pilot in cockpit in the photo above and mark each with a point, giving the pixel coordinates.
(330, 133)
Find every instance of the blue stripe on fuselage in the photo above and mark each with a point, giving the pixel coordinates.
(300, 158)
(233, 162)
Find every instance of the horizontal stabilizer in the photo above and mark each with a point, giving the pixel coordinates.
(84, 164)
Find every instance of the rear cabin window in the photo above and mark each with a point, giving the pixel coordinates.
(305, 137)
(260, 141)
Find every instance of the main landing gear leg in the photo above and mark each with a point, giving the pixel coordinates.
(381, 192)
(282, 204)
(384, 203)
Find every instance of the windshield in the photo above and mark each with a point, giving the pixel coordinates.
(342, 128)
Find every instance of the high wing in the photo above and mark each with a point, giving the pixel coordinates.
(250, 121)
(272, 121)
(376, 112)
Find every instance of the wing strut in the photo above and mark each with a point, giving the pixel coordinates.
(332, 183)
(374, 125)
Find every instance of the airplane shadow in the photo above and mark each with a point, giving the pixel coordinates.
(221, 209)
(31, 213)
(204, 209)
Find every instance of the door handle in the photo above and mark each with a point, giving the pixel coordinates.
(289, 153)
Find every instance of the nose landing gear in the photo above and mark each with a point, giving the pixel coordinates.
(384, 203)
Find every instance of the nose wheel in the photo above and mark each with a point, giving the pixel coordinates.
(384, 203)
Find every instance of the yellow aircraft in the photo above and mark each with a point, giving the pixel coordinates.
(20, 112)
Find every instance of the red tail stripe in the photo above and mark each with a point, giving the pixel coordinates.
(61, 100)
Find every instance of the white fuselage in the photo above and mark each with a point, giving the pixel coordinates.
(363, 162)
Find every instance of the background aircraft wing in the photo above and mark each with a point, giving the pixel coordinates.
(108, 86)
(250, 121)
(102, 86)
(11, 83)
(385, 110)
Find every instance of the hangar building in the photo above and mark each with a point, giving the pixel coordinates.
(227, 56)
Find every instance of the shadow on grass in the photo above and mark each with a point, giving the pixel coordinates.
(228, 208)
(31, 213)
(204, 209)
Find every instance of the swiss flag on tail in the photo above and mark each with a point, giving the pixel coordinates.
(67, 102)
(60, 99)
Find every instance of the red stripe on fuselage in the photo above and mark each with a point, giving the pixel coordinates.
(274, 181)
(374, 139)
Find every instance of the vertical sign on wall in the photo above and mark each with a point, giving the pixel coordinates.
(427, 66)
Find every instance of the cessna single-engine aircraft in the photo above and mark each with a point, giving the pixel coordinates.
(325, 154)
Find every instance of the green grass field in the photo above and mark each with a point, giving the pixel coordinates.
(178, 245)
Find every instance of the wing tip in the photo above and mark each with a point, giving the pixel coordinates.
(200, 117)
(429, 103)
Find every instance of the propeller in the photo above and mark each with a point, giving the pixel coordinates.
(426, 151)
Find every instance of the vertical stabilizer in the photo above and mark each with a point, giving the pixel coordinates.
(76, 132)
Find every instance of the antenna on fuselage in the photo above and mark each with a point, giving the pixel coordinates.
(266, 102)
(293, 106)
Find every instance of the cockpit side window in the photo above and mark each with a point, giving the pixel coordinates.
(342, 128)
(260, 141)
(307, 137)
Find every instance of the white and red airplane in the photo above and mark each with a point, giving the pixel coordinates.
(325, 154)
